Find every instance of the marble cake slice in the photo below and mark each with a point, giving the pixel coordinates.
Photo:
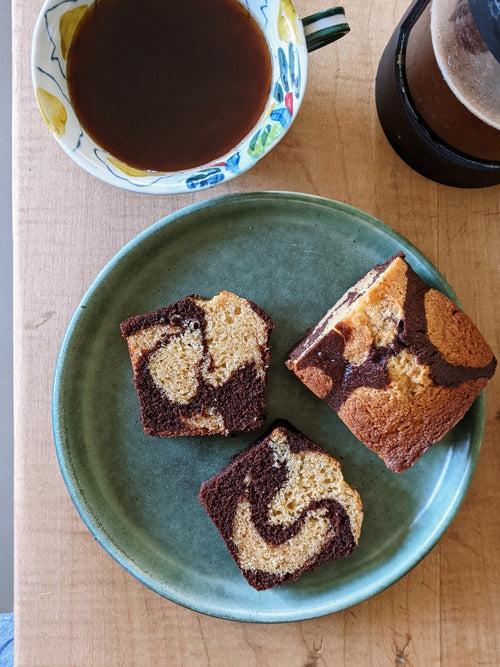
(282, 507)
(200, 365)
(397, 360)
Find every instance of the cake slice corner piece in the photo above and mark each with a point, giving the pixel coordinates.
(397, 360)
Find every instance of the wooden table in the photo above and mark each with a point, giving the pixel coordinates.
(74, 605)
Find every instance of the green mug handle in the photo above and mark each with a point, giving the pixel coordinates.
(324, 27)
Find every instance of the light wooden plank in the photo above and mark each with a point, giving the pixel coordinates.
(74, 605)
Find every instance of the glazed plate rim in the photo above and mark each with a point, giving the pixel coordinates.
(384, 580)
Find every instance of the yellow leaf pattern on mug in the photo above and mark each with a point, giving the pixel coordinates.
(53, 111)
(271, 106)
(129, 171)
(288, 30)
(68, 24)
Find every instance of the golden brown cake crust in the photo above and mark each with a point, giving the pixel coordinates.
(401, 364)
(400, 428)
(453, 332)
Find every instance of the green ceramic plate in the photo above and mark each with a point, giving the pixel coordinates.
(294, 255)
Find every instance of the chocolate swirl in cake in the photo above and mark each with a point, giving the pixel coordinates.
(397, 360)
(328, 353)
(254, 479)
(233, 404)
(414, 336)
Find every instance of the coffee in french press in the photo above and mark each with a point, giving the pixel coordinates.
(438, 90)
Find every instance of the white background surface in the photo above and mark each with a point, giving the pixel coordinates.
(6, 568)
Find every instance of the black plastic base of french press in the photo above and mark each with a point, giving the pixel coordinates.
(406, 130)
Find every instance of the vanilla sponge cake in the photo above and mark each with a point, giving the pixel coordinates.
(200, 365)
(397, 360)
(282, 507)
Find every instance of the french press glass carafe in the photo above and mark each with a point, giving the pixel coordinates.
(438, 90)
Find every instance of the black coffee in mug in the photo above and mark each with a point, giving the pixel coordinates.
(166, 85)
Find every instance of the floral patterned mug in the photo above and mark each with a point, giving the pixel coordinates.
(289, 40)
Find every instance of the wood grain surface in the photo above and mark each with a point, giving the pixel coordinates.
(74, 605)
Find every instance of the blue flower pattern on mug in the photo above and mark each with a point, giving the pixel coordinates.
(215, 174)
(286, 87)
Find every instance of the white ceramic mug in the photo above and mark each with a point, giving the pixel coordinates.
(289, 40)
